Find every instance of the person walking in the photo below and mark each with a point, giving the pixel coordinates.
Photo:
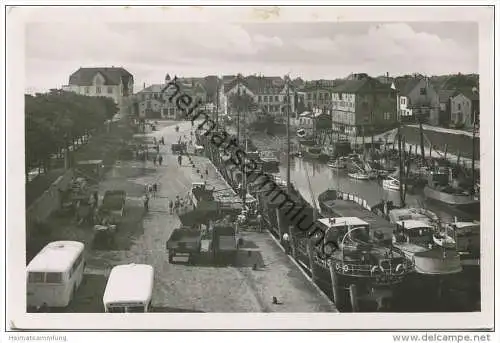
(259, 221)
(154, 160)
(179, 159)
(286, 242)
(155, 189)
(145, 199)
(160, 160)
(171, 206)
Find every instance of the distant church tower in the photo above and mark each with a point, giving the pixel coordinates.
(167, 78)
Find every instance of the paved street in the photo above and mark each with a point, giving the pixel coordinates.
(181, 287)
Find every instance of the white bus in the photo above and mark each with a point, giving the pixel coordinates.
(54, 274)
(129, 289)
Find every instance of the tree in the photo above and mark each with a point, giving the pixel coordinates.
(55, 119)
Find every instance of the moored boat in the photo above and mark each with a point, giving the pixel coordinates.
(391, 183)
(339, 163)
(467, 236)
(414, 239)
(439, 189)
(348, 252)
(358, 175)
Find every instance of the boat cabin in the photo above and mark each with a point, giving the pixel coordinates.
(466, 235)
(414, 231)
(336, 228)
(405, 214)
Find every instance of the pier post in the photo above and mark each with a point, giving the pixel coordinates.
(292, 241)
(336, 289)
(353, 293)
(278, 217)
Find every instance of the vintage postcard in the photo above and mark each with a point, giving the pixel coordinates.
(250, 168)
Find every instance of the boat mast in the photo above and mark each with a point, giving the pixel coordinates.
(217, 104)
(287, 109)
(238, 102)
(402, 177)
(474, 154)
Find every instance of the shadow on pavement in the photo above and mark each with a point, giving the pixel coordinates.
(240, 259)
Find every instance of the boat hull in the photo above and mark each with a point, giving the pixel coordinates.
(431, 261)
(358, 176)
(464, 202)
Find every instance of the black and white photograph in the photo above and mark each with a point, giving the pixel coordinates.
(252, 168)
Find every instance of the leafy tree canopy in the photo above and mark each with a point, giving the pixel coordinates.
(54, 119)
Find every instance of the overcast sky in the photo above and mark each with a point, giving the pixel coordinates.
(310, 50)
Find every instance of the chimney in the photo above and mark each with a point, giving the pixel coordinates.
(144, 85)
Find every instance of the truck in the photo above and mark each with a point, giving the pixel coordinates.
(113, 205)
(225, 239)
(184, 240)
(179, 148)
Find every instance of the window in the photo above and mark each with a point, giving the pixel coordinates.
(459, 107)
(259, 98)
(53, 278)
(87, 90)
(98, 90)
(110, 90)
(423, 91)
(148, 104)
(116, 309)
(340, 96)
(308, 96)
(276, 98)
(265, 98)
(35, 277)
(143, 97)
(76, 264)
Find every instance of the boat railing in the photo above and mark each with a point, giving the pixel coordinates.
(357, 268)
(354, 198)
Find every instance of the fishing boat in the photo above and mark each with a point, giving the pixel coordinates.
(312, 152)
(414, 239)
(439, 189)
(269, 161)
(358, 175)
(339, 163)
(391, 183)
(468, 241)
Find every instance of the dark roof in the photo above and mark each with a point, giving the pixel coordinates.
(258, 84)
(112, 76)
(355, 86)
(445, 94)
(468, 93)
(406, 85)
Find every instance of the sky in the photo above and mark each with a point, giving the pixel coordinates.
(311, 50)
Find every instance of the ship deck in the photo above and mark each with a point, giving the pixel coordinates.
(347, 208)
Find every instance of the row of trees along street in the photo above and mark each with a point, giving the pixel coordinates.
(58, 120)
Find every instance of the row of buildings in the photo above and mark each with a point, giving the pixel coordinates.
(354, 103)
